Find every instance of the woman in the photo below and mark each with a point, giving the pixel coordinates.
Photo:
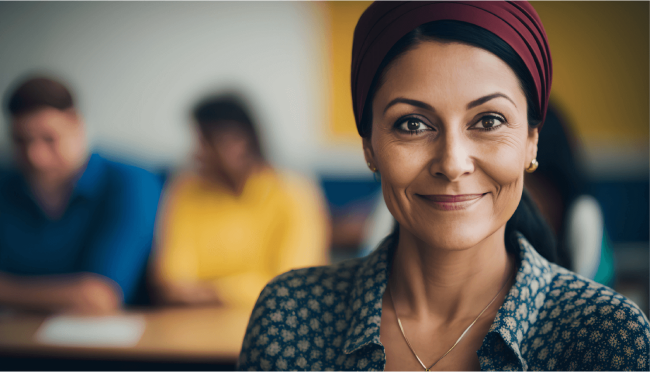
(233, 224)
(449, 99)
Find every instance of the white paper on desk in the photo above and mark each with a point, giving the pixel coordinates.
(92, 331)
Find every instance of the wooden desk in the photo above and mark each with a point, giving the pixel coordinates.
(201, 334)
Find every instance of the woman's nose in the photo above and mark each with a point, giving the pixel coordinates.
(452, 158)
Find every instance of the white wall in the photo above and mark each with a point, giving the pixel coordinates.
(137, 68)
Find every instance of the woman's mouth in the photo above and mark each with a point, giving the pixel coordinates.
(452, 202)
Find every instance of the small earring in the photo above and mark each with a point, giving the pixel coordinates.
(373, 170)
(533, 165)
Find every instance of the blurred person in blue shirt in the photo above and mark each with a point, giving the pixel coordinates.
(75, 228)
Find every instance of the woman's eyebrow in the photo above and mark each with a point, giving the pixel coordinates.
(482, 100)
(411, 102)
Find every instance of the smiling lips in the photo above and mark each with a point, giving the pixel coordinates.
(452, 202)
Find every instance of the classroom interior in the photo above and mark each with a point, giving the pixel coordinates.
(137, 69)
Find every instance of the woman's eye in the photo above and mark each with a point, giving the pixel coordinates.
(489, 122)
(412, 125)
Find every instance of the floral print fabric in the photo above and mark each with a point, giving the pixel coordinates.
(328, 318)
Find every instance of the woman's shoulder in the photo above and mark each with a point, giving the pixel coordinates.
(600, 327)
(313, 288)
(183, 183)
(592, 297)
(563, 295)
(296, 187)
(302, 316)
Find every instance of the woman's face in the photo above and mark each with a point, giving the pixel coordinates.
(451, 140)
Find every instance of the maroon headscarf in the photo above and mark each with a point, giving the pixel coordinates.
(385, 22)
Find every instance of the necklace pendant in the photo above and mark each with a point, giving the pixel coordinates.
(427, 369)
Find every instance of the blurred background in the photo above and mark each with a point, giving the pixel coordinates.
(138, 68)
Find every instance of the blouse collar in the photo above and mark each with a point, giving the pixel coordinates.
(513, 321)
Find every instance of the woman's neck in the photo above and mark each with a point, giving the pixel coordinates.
(431, 282)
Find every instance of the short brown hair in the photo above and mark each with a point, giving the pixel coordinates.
(39, 92)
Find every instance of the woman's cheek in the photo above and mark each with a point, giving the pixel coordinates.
(401, 162)
(504, 165)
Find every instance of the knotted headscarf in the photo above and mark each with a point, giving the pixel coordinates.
(386, 22)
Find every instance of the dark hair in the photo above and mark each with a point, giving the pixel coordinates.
(527, 218)
(529, 221)
(559, 166)
(226, 111)
(37, 93)
(557, 158)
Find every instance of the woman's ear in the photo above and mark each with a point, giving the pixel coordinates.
(368, 153)
(531, 147)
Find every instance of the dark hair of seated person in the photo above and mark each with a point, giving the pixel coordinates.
(527, 219)
(36, 93)
(224, 112)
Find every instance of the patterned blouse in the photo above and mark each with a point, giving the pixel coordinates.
(328, 318)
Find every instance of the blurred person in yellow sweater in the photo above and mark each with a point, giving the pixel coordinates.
(232, 224)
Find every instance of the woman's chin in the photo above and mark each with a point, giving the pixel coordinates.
(453, 237)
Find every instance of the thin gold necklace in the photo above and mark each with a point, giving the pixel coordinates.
(399, 322)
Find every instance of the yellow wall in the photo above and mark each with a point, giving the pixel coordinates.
(600, 60)
(342, 17)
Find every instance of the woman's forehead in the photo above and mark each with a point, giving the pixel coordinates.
(439, 71)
